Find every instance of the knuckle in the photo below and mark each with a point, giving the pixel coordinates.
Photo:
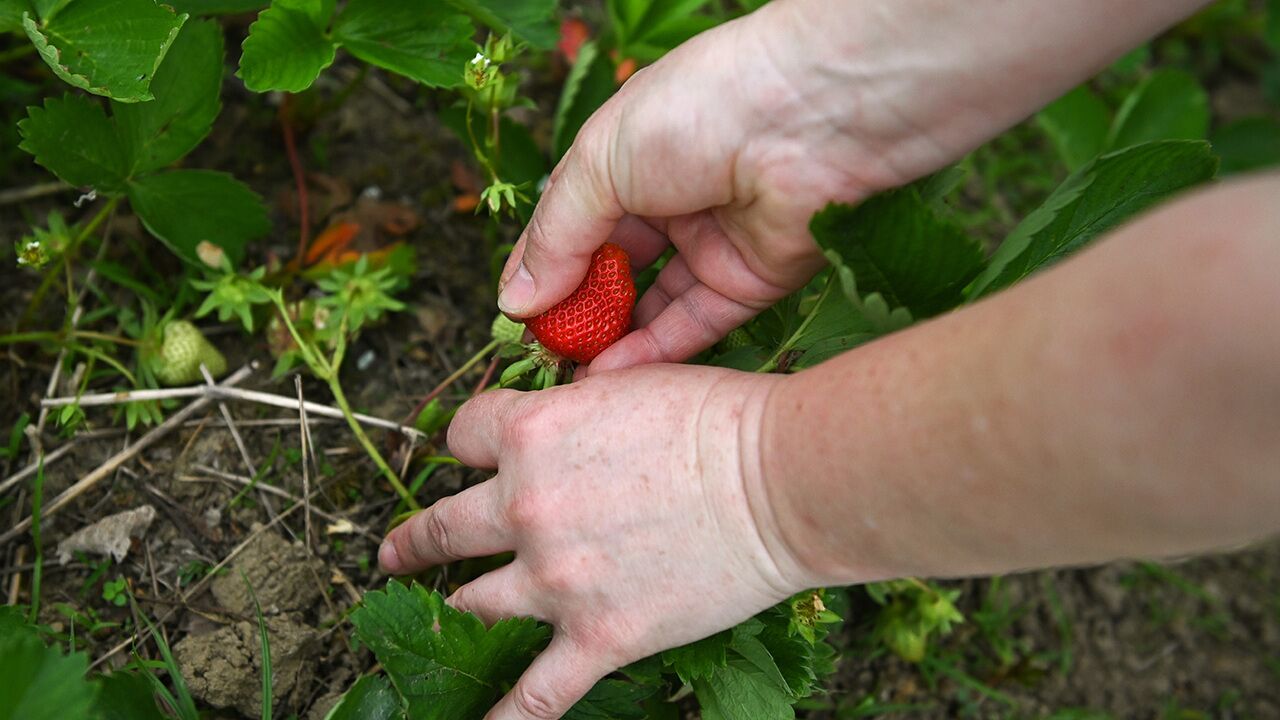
(536, 240)
(537, 703)
(610, 639)
(527, 511)
(557, 579)
(529, 426)
(434, 531)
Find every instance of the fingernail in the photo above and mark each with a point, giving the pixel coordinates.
(517, 293)
(388, 558)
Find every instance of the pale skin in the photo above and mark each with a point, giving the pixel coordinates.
(1125, 403)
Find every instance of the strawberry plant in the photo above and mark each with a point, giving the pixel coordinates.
(140, 85)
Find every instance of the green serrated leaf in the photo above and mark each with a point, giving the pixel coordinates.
(1077, 123)
(698, 660)
(187, 88)
(1094, 199)
(1168, 105)
(421, 39)
(836, 324)
(35, 675)
(530, 20)
(611, 700)
(107, 47)
(127, 696)
(739, 691)
(800, 662)
(186, 207)
(371, 698)
(898, 247)
(72, 137)
(287, 47)
(747, 644)
(445, 663)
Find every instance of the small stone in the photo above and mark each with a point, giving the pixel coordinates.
(224, 668)
(281, 574)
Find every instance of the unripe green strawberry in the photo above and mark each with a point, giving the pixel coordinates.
(183, 350)
(738, 338)
(506, 331)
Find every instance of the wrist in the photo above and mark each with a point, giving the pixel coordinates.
(826, 508)
(729, 433)
(914, 85)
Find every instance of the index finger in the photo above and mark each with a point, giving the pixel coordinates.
(462, 526)
(477, 430)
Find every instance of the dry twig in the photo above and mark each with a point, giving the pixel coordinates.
(224, 392)
(115, 461)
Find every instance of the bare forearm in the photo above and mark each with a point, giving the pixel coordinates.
(911, 85)
(1124, 403)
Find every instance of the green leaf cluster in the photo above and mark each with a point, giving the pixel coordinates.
(762, 667)
(900, 257)
(358, 294)
(444, 664)
(1094, 199)
(293, 41)
(123, 154)
(44, 683)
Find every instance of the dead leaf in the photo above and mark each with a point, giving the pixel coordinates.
(109, 536)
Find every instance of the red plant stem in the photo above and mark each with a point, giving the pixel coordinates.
(300, 178)
(413, 414)
(488, 376)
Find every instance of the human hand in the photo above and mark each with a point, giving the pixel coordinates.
(635, 510)
(713, 150)
(726, 146)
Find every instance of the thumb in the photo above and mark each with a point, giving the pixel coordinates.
(559, 677)
(578, 210)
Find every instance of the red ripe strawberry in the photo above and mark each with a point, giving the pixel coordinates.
(582, 325)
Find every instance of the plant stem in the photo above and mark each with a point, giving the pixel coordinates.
(37, 500)
(52, 336)
(480, 152)
(453, 377)
(66, 258)
(299, 177)
(772, 363)
(328, 371)
(336, 388)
